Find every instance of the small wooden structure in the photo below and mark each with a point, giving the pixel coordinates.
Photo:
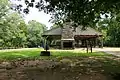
(70, 37)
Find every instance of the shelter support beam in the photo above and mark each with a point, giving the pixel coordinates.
(61, 44)
(101, 42)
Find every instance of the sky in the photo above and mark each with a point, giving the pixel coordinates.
(34, 14)
(38, 16)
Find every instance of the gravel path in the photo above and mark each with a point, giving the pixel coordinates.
(109, 50)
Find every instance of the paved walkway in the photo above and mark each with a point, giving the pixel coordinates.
(109, 50)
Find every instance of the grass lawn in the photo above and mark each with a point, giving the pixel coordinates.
(34, 53)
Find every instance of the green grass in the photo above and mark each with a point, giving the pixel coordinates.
(35, 54)
(70, 53)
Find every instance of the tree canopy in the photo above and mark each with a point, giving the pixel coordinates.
(14, 32)
(34, 37)
(111, 31)
(82, 12)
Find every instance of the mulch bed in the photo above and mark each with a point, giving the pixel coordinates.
(75, 68)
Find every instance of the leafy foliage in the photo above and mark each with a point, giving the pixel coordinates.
(35, 29)
(14, 32)
(83, 12)
(111, 31)
(4, 7)
(54, 26)
(11, 32)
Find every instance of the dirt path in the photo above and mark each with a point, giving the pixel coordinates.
(109, 50)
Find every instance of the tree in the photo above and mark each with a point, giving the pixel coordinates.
(54, 26)
(34, 37)
(4, 7)
(82, 12)
(111, 31)
(12, 32)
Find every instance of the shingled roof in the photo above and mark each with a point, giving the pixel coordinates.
(87, 31)
(54, 31)
(78, 31)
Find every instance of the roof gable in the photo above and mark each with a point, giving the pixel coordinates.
(78, 31)
(54, 31)
(87, 31)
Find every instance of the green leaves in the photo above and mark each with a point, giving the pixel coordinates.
(83, 12)
(11, 33)
(14, 32)
(110, 27)
(35, 29)
(4, 7)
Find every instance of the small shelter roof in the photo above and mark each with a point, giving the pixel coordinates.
(54, 31)
(79, 31)
(86, 31)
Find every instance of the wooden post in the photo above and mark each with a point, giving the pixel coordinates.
(102, 42)
(87, 45)
(91, 46)
(61, 44)
(96, 44)
(73, 44)
(91, 49)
